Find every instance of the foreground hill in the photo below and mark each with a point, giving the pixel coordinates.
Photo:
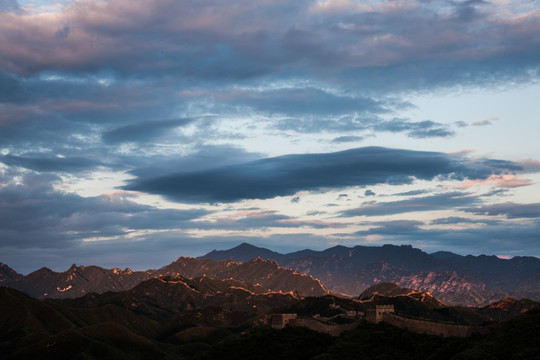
(517, 339)
(35, 329)
(456, 279)
(162, 297)
(422, 305)
(204, 318)
(508, 308)
(80, 280)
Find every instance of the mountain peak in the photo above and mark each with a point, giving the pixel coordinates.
(385, 289)
(245, 245)
(243, 252)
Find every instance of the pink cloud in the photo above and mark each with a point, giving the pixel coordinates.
(500, 180)
(484, 122)
(89, 35)
(311, 223)
(530, 165)
(463, 151)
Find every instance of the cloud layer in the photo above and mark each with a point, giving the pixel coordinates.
(131, 130)
(286, 175)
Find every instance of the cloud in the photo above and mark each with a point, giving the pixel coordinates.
(368, 122)
(393, 227)
(499, 180)
(201, 157)
(143, 131)
(425, 203)
(10, 6)
(420, 129)
(35, 215)
(511, 210)
(461, 220)
(62, 33)
(169, 91)
(484, 122)
(499, 238)
(286, 175)
(416, 45)
(369, 193)
(50, 163)
(306, 100)
(346, 139)
(263, 219)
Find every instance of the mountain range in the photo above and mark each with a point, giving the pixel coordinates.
(77, 281)
(455, 279)
(182, 311)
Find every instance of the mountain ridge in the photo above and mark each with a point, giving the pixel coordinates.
(455, 279)
(466, 280)
(80, 280)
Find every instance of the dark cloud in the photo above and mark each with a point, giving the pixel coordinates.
(51, 163)
(75, 99)
(420, 129)
(393, 227)
(285, 175)
(412, 192)
(369, 122)
(461, 220)
(202, 157)
(369, 193)
(62, 33)
(10, 6)
(346, 139)
(143, 131)
(499, 238)
(142, 253)
(511, 210)
(263, 219)
(303, 101)
(417, 46)
(35, 215)
(426, 203)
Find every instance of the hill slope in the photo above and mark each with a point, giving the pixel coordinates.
(80, 280)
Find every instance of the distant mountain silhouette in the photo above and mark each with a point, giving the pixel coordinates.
(456, 279)
(244, 252)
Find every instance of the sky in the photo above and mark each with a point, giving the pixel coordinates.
(133, 133)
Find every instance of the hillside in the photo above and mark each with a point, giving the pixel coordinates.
(204, 318)
(162, 297)
(80, 280)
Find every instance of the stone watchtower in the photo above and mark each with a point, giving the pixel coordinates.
(376, 313)
(279, 321)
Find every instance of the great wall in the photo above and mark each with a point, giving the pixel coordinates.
(377, 314)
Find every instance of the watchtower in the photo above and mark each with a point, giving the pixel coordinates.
(279, 321)
(376, 313)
